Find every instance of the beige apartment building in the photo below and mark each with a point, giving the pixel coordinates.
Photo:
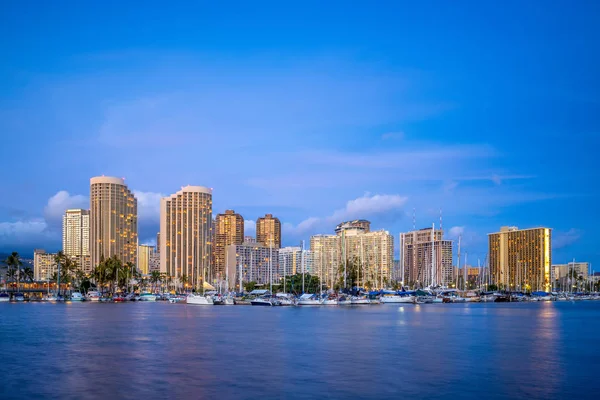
(185, 234)
(145, 253)
(76, 238)
(268, 231)
(426, 258)
(44, 265)
(113, 220)
(521, 259)
(229, 229)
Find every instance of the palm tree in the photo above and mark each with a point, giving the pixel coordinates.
(28, 274)
(154, 279)
(14, 262)
(184, 281)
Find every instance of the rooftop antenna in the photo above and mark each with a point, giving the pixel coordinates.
(440, 218)
(414, 220)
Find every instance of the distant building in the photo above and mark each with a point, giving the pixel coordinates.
(290, 261)
(249, 239)
(268, 231)
(372, 252)
(229, 230)
(521, 259)
(185, 234)
(113, 220)
(257, 263)
(358, 224)
(559, 271)
(76, 238)
(145, 252)
(44, 265)
(426, 258)
(154, 262)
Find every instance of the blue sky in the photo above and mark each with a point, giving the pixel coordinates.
(313, 111)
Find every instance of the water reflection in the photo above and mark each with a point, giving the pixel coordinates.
(174, 351)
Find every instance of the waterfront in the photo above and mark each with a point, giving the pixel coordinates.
(158, 350)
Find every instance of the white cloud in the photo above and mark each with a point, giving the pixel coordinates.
(249, 227)
(148, 205)
(565, 239)
(366, 207)
(455, 232)
(59, 203)
(23, 228)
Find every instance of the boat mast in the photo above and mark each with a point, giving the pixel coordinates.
(458, 266)
(465, 275)
(361, 263)
(401, 237)
(344, 255)
(271, 266)
(226, 270)
(284, 270)
(302, 262)
(432, 255)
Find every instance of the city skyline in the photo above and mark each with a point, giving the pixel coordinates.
(368, 114)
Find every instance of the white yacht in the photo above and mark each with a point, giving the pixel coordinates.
(19, 297)
(285, 299)
(147, 297)
(76, 296)
(330, 300)
(199, 300)
(4, 297)
(94, 295)
(308, 299)
(49, 297)
(396, 298)
(359, 300)
(344, 301)
(265, 301)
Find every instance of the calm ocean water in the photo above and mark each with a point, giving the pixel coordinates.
(164, 351)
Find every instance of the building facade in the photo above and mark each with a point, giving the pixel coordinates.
(426, 258)
(185, 231)
(113, 221)
(358, 224)
(76, 238)
(268, 231)
(326, 258)
(521, 259)
(44, 265)
(290, 260)
(577, 269)
(256, 263)
(229, 229)
(145, 252)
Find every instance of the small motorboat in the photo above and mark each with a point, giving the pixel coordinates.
(94, 295)
(265, 301)
(199, 300)
(285, 299)
(49, 297)
(4, 297)
(396, 298)
(18, 297)
(147, 297)
(77, 296)
(117, 298)
(330, 300)
(131, 297)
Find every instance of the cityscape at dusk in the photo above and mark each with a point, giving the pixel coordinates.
(299, 200)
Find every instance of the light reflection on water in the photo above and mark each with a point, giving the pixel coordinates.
(145, 350)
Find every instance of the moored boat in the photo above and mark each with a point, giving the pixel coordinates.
(93, 295)
(147, 297)
(344, 301)
(198, 300)
(359, 300)
(77, 296)
(4, 297)
(308, 299)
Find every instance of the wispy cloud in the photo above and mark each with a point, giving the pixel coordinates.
(562, 240)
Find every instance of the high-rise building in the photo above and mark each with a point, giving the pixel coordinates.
(521, 259)
(290, 260)
(154, 262)
(358, 224)
(577, 269)
(76, 237)
(370, 252)
(249, 239)
(185, 230)
(113, 220)
(426, 258)
(268, 231)
(326, 257)
(258, 263)
(145, 253)
(44, 265)
(158, 243)
(229, 229)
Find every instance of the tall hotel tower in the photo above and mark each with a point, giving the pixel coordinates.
(185, 231)
(76, 237)
(520, 259)
(229, 230)
(113, 220)
(268, 231)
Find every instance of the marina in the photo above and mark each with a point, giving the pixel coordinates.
(154, 350)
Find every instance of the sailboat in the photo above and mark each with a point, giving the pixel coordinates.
(48, 297)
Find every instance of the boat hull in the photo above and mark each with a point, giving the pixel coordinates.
(396, 299)
(198, 301)
(309, 302)
(261, 303)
